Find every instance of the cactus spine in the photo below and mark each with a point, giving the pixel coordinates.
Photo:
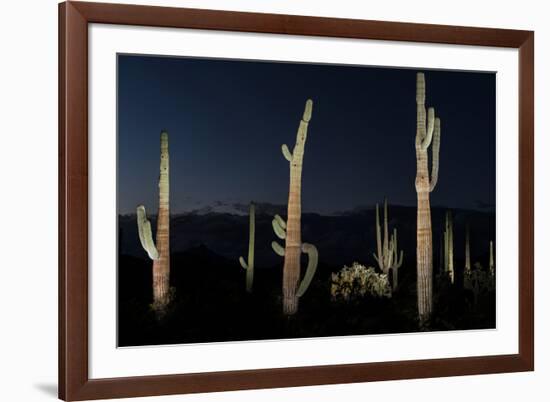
(427, 132)
(387, 257)
(249, 265)
(290, 231)
(449, 247)
(160, 254)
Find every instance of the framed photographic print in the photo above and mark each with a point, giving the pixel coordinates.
(258, 200)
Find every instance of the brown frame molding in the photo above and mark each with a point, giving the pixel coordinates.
(74, 383)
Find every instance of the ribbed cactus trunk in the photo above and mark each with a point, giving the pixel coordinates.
(293, 248)
(425, 129)
(161, 266)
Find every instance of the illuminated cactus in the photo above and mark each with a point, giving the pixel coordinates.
(160, 254)
(449, 247)
(491, 259)
(249, 265)
(428, 132)
(291, 231)
(468, 264)
(279, 227)
(387, 257)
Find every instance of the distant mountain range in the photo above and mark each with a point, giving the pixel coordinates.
(340, 238)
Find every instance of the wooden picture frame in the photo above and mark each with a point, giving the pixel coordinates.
(74, 381)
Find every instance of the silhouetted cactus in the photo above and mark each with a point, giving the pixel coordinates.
(479, 281)
(160, 254)
(449, 247)
(290, 231)
(427, 133)
(387, 257)
(491, 259)
(249, 265)
(467, 264)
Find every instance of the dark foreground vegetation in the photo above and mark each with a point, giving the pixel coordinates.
(211, 304)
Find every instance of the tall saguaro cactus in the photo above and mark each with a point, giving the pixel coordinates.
(387, 254)
(428, 131)
(291, 231)
(448, 239)
(159, 253)
(249, 265)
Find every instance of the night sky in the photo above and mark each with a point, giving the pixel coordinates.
(227, 120)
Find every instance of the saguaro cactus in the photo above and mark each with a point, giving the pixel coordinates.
(160, 254)
(387, 255)
(427, 132)
(449, 247)
(468, 264)
(290, 231)
(249, 265)
(491, 259)
(441, 253)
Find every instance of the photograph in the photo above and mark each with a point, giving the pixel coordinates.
(266, 200)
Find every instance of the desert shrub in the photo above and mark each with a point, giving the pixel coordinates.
(479, 280)
(358, 281)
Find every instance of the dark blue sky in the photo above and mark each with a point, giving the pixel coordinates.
(227, 120)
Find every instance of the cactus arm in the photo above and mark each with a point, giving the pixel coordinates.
(390, 255)
(313, 255)
(430, 129)
(377, 260)
(286, 153)
(397, 261)
(435, 154)
(145, 233)
(279, 250)
(280, 221)
(398, 265)
(279, 231)
(243, 263)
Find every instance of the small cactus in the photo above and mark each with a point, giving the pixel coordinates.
(388, 257)
(358, 281)
(491, 259)
(468, 264)
(249, 265)
(449, 247)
